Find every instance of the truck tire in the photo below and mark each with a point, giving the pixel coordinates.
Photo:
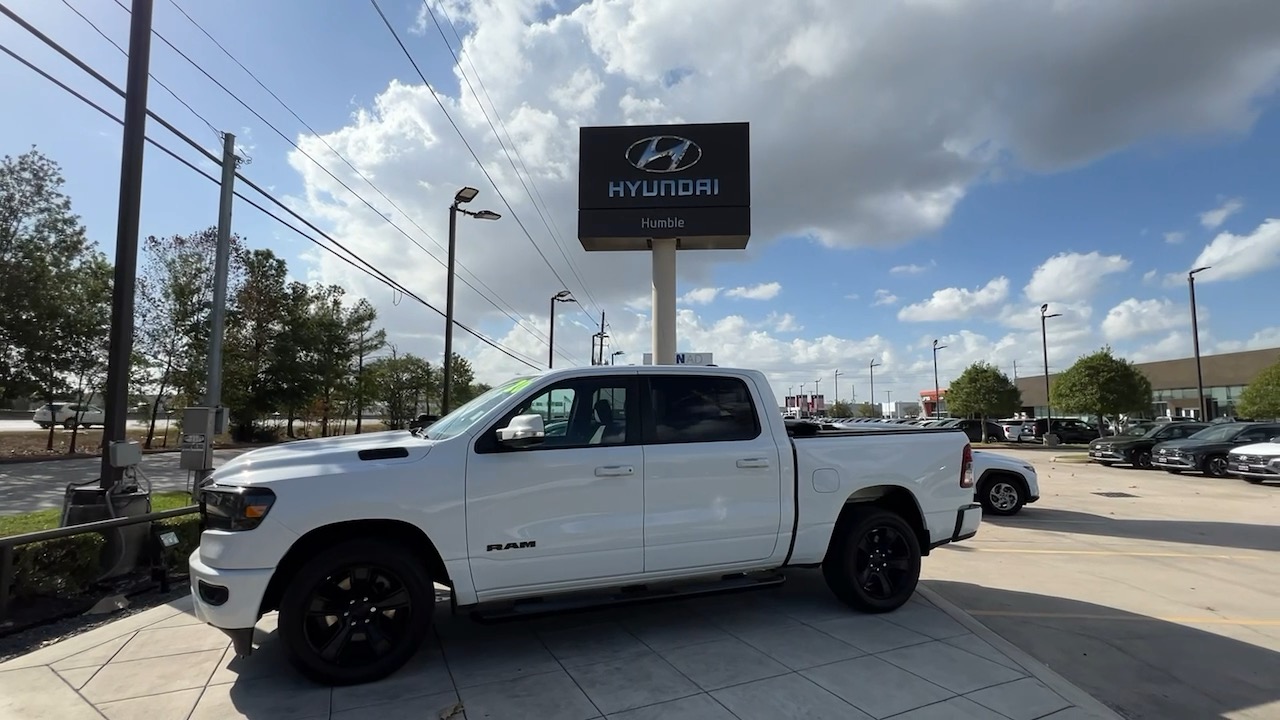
(1001, 494)
(356, 612)
(874, 562)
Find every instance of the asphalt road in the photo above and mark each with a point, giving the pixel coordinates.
(39, 485)
(1162, 605)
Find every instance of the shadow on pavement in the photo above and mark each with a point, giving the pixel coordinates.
(1221, 534)
(1142, 667)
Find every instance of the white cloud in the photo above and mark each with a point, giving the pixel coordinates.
(1236, 256)
(1072, 276)
(1212, 219)
(1134, 317)
(1176, 344)
(884, 297)
(912, 269)
(1175, 237)
(762, 291)
(918, 149)
(1149, 277)
(784, 322)
(1265, 338)
(700, 296)
(958, 303)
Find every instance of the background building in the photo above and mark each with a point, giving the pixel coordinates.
(1174, 383)
(929, 403)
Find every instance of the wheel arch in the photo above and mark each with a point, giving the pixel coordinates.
(894, 498)
(326, 536)
(992, 474)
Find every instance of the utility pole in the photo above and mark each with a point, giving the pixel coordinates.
(937, 389)
(221, 267)
(360, 384)
(120, 346)
(598, 359)
(1195, 342)
(872, 366)
(1015, 371)
(836, 391)
(888, 401)
(560, 297)
(815, 394)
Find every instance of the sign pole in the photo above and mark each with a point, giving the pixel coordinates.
(664, 300)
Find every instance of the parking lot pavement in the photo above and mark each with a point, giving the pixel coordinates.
(791, 652)
(39, 485)
(1159, 601)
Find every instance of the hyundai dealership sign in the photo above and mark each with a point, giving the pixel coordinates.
(685, 359)
(691, 182)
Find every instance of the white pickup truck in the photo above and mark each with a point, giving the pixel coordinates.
(580, 485)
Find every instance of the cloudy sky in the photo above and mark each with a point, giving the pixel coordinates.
(921, 169)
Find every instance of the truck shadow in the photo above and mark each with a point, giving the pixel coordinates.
(1220, 534)
(1142, 667)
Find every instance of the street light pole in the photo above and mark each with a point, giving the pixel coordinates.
(873, 365)
(1044, 343)
(888, 399)
(815, 394)
(836, 391)
(1195, 341)
(566, 297)
(463, 196)
(937, 388)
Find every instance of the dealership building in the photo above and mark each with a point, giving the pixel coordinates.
(1173, 383)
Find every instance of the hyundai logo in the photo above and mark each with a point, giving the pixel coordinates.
(664, 154)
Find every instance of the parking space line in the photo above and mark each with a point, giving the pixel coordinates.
(1115, 553)
(1088, 616)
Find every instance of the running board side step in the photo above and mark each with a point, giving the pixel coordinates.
(630, 595)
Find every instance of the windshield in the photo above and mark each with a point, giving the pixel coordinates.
(461, 420)
(1140, 430)
(1218, 433)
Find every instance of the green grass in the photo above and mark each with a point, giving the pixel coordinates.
(47, 519)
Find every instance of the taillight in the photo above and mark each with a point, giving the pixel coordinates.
(966, 467)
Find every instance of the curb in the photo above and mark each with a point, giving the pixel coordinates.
(1039, 670)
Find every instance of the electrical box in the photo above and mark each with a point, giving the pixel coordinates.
(196, 440)
(221, 421)
(125, 454)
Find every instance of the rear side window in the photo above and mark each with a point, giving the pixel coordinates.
(698, 408)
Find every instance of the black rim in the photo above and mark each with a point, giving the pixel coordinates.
(882, 561)
(1144, 459)
(357, 615)
(1218, 466)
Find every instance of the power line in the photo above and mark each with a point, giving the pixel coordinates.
(555, 235)
(527, 328)
(372, 271)
(155, 79)
(395, 35)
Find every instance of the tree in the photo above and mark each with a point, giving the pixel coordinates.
(172, 312)
(1103, 385)
(984, 391)
(403, 384)
(867, 410)
(841, 409)
(1261, 398)
(49, 273)
(463, 380)
(255, 321)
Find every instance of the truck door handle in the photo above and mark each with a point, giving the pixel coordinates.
(753, 463)
(615, 471)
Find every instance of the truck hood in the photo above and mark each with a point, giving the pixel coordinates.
(1193, 446)
(322, 456)
(1265, 449)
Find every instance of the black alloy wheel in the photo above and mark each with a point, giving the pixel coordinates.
(874, 565)
(1216, 466)
(1142, 459)
(356, 612)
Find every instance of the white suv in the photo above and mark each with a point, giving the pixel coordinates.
(67, 415)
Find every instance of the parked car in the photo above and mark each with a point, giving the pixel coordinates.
(1004, 483)
(668, 480)
(973, 428)
(68, 415)
(1206, 451)
(1256, 462)
(1070, 431)
(1134, 446)
(1018, 430)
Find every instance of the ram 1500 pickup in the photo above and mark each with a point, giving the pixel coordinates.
(634, 481)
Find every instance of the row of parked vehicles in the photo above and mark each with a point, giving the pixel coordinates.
(1249, 450)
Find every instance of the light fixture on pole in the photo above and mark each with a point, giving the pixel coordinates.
(836, 392)
(564, 296)
(463, 196)
(815, 395)
(1044, 342)
(872, 367)
(1195, 341)
(937, 389)
(614, 356)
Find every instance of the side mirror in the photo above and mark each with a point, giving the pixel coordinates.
(1276, 439)
(523, 430)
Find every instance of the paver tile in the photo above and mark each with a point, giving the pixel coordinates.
(77, 677)
(926, 621)
(284, 697)
(537, 697)
(871, 634)
(95, 656)
(123, 680)
(876, 687)
(983, 649)
(726, 662)
(789, 697)
(591, 644)
(696, 707)
(159, 642)
(492, 660)
(799, 647)
(1025, 699)
(425, 674)
(631, 683)
(668, 630)
(957, 708)
(166, 706)
(427, 707)
(952, 668)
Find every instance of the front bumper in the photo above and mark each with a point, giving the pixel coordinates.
(1171, 462)
(1110, 456)
(227, 599)
(1253, 471)
(968, 518)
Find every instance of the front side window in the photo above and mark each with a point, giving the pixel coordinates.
(584, 412)
(1259, 434)
(698, 408)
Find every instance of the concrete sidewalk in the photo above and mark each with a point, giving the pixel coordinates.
(792, 652)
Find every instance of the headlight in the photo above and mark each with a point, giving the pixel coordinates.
(235, 508)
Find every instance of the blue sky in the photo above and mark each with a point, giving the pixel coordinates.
(867, 158)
